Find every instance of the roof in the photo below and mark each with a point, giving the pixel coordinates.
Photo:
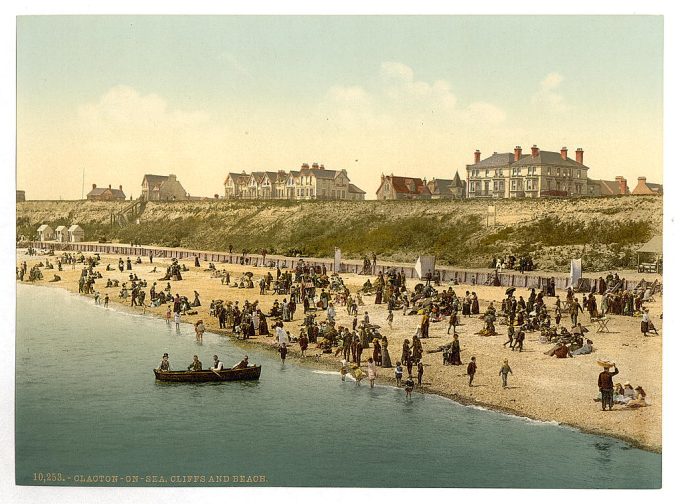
(75, 227)
(644, 187)
(98, 191)
(653, 246)
(321, 174)
(44, 227)
(154, 181)
(401, 185)
(440, 186)
(60, 228)
(237, 176)
(354, 189)
(495, 160)
(547, 157)
(609, 187)
(457, 182)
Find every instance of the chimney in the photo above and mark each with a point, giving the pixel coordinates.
(642, 179)
(321, 167)
(518, 152)
(315, 166)
(94, 186)
(109, 186)
(120, 187)
(563, 153)
(172, 177)
(478, 156)
(579, 155)
(534, 151)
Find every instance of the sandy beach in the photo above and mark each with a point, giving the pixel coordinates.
(541, 387)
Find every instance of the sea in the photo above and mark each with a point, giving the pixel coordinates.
(89, 412)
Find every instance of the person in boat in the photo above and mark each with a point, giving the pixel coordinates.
(165, 363)
(243, 364)
(217, 364)
(196, 365)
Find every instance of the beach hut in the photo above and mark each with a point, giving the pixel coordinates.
(650, 256)
(45, 233)
(76, 234)
(61, 234)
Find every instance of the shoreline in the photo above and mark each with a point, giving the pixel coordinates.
(385, 375)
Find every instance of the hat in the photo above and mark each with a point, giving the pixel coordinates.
(627, 383)
(165, 355)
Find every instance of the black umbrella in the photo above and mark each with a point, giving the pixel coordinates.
(509, 291)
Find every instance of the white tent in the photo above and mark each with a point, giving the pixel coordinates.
(575, 272)
(336, 260)
(423, 265)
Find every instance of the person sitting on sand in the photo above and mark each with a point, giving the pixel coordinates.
(619, 397)
(585, 349)
(640, 401)
(242, 364)
(628, 391)
(561, 351)
(196, 365)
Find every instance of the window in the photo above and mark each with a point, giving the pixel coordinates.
(548, 171)
(513, 185)
(486, 173)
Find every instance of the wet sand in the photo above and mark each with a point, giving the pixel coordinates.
(541, 387)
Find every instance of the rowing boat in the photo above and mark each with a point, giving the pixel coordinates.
(207, 375)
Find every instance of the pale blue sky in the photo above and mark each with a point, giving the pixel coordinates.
(602, 90)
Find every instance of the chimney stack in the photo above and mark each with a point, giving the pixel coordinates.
(623, 184)
(518, 152)
(94, 186)
(478, 156)
(579, 155)
(120, 187)
(109, 186)
(534, 151)
(563, 153)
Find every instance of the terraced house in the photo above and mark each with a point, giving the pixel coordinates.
(535, 175)
(307, 183)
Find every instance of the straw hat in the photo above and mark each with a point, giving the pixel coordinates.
(626, 384)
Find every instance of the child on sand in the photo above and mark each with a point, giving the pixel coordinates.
(177, 320)
(420, 372)
(471, 369)
(503, 373)
(390, 318)
(168, 315)
(398, 373)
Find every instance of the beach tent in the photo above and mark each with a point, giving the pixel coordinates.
(61, 234)
(45, 233)
(76, 234)
(336, 260)
(650, 255)
(423, 265)
(575, 272)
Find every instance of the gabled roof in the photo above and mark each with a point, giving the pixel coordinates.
(354, 189)
(547, 158)
(440, 186)
(237, 177)
(407, 185)
(653, 246)
(154, 181)
(74, 227)
(457, 182)
(43, 227)
(609, 187)
(321, 174)
(60, 228)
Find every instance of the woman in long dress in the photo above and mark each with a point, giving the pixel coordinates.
(466, 304)
(386, 361)
(377, 354)
(475, 304)
(455, 351)
(406, 351)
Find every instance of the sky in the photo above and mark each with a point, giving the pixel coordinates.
(115, 97)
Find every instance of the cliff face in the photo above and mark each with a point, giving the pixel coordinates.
(605, 232)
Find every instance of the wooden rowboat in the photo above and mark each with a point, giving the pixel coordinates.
(249, 373)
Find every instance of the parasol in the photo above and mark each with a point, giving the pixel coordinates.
(509, 291)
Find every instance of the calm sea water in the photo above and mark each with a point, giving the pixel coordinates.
(87, 404)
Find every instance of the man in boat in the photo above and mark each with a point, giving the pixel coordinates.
(217, 364)
(165, 363)
(243, 364)
(196, 365)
